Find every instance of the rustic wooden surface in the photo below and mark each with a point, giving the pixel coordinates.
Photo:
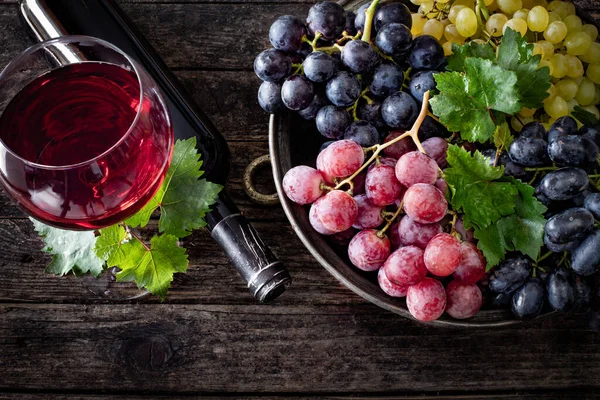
(64, 338)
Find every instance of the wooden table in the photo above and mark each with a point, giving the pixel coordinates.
(63, 338)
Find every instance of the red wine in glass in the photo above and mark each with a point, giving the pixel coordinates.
(87, 144)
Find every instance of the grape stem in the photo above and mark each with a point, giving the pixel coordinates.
(453, 231)
(542, 258)
(390, 221)
(483, 9)
(535, 169)
(133, 235)
(412, 133)
(369, 14)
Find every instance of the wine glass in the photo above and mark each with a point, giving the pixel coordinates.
(85, 135)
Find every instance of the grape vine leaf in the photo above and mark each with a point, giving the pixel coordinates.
(152, 267)
(502, 136)
(522, 231)
(456, 61)
(474, 188)
(183, 198)
(109, 245)
(466, 99)
(72, 251)
(584, 116)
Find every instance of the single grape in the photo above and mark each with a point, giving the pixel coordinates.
(297, 92)
(585, 259)
(591, 30)
(560, 247)
(387, 79)
(359, 21)
(509, 6)
(286, 33)
(593, 73)
(327, 18)
(435, 28)
(405, 266)
(436, 148)
(527, 151)
(359, 56)
(510, 275)
(577, 43)
(426, 53)
(516, 24)
(564, 183)
(400, 110)
(572, 150)
(394, 40)
(332, 121)
(303, 185)
(471, 268)
(413, 233)
(350, 28)
(392, 13)
(389, 288)
(568, 225)
(269, 97)
(381, 186)
(420, 83)
(533, 130)
(362, 133)
(272, 65)
(343, 89)
(538, 19)
(336, 211)
(467, 235)
(426, 300)
(560, 288)
(591, 133)
(586, 92)
(528, 300)
(315, 221)
(371, 112)
(558, 64)
(523, 13)
(369, 215)
(453, 12)
(416, 167)
(592, 204)
(367, 251)
(399, 148)
(562, 126)
(442, 185)
(555, 32)
(418, 22)
(442, 254)
(463, 300)
(466, 22)
(319, 66)
(341, 159)
(425, 203)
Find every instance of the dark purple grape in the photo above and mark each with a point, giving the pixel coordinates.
(272, 65)
(527, 151)
(359, 21)
(560, 290)
(350, 28)
(362, 133)
(533, 130)
(579, 200)
(560, 247)
(392, 13)
(564, 183)
(327, 18)
(509, 275)
(400, 110)
(431, 128)
(297, 92)
(592, 133)
(371, 113)
(286, 33)
(426, 53)
(343, 89)
(572, 150)
(528, 300)
(592, 203)
(517, 171)
(502, 300)
(319, 101)
(420, 83)
(359, 57)
(319, 66)
(332, 121)
(562, 126)
(569, 225)
(269, 97)
(387, 79)
(585, 259)
(394, 40)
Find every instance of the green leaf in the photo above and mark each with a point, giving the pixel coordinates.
(456, 61)
(153, 268)
(474, 189)
(502, 136)
(584, 116)
(183, 199)
(109, 245)
(72, 251)
(513, 49)
(466, 100)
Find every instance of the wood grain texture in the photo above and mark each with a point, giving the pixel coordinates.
(555, 395)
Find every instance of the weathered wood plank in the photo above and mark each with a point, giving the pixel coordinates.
(278, 348)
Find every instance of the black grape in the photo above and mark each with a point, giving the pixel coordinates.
(359, 21)
(400, 110)
(387, 79)
(319, 66)
(564, 183)
(560, 247)
(579, 200)
(592, 133)
(527, 151)
(431, 128)
(585, 259)
(359, 56)
(371, 113)
(517, 171)
(528, 300)
(502, 300)
(592, 203)
(350, 28)
(420, 83)
(362, 133)
(560, 289)
(569, 225)
(392, 13)
(509, 275)
(327, 18)
(319, 101)
(394, 40)
(426, 53)
(533, 130)
(272, 65)
(562, 126)
(286, 33)
(343, 89)
(297, 92)
(572, 150)
(269, 97)
(332, 121)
